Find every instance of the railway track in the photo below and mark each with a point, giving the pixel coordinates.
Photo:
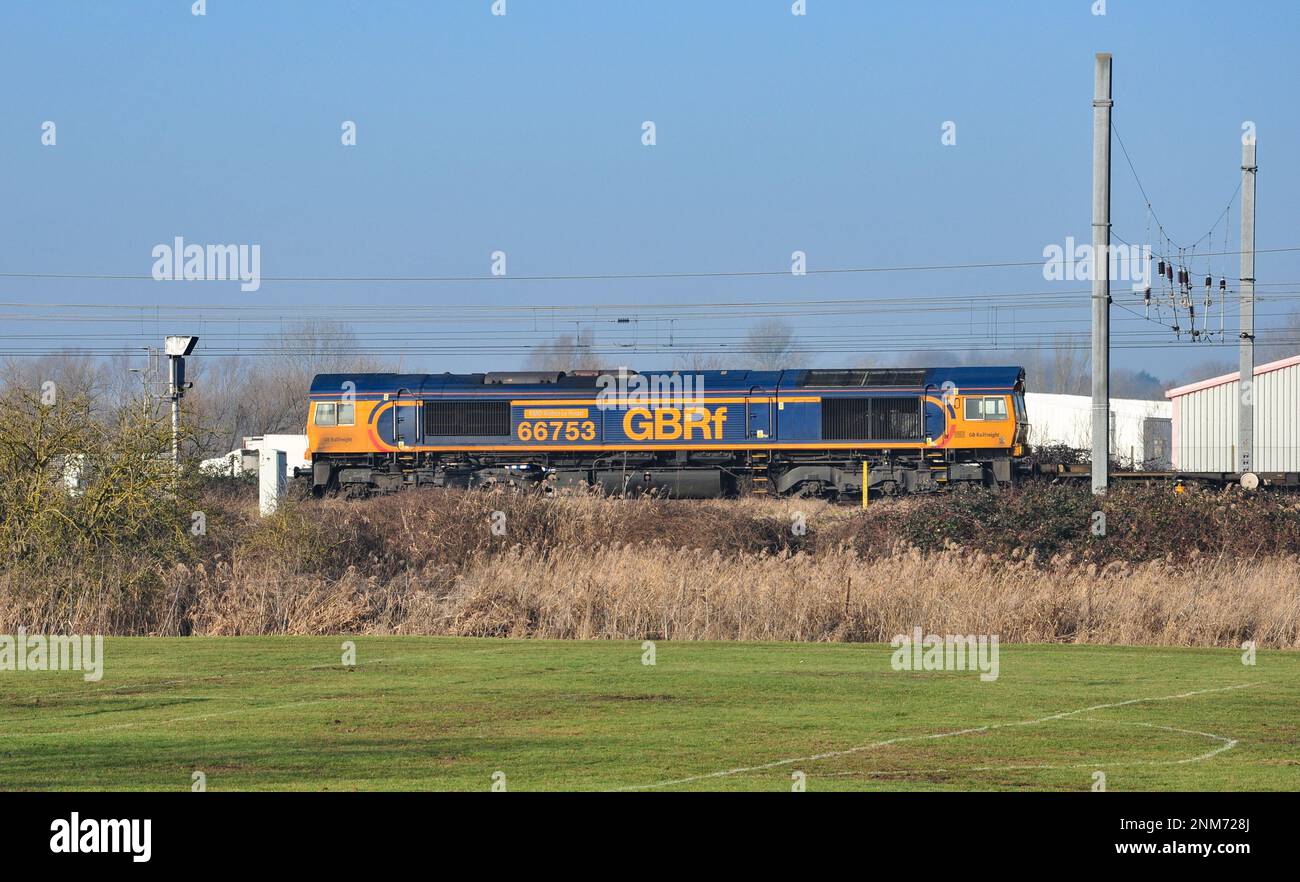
(1246, 480)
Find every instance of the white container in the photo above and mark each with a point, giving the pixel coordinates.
(1139, 429)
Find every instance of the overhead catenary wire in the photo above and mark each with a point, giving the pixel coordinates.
(576, 277)
(1181, 295)
(259, 331)
(1142, 189)
(251, 321)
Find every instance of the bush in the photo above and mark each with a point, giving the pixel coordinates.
(574, 564)
(124, 518)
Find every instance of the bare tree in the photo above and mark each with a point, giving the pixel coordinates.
(695, 362)
(1273, 344)
(770, 345)
(234, 397)
(75, 374)
(1205, 370)
(567, 352)
(1069, 367)
(1143, 385)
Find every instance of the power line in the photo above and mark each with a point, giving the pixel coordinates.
(1151, 208)
(599, 276)
(1045, 299)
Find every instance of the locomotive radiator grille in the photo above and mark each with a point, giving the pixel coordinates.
(480, 418)
(871, 419)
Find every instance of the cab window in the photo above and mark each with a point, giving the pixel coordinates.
(991, 408)
(327, 414)
(995, 408)
(347, 411)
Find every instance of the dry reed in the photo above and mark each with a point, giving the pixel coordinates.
(593, 568)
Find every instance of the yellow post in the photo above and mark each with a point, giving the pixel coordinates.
(864, 483)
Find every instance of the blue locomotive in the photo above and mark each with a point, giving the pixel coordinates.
(813, 432)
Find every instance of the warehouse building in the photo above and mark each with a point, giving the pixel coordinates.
(1205, 420)
(1140, 430)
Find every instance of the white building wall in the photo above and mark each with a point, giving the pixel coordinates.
(1277, 420)
(1205, 421)
(294, 447)
(1067, 419)
(237, 463)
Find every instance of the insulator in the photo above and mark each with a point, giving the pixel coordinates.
(1160, 268)
(1146, 295)
(1223, 285)
(1208, 281)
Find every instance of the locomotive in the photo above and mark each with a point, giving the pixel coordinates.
(806, 432)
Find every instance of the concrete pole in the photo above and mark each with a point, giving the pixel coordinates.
(1246, 378)
(1101, 104)
(174, 392)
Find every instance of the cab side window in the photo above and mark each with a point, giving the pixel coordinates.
(347, 411)
(991, 408)
(327, 413)
(995, 408)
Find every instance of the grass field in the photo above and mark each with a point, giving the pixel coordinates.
(282, 713)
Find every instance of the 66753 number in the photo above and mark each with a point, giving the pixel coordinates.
(556, 430)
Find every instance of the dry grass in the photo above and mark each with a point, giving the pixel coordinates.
(634, 592)
(592, 568)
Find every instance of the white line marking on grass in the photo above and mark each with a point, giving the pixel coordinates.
(1228, 744)
(988, 727)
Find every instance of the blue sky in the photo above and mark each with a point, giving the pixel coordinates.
(522, 133)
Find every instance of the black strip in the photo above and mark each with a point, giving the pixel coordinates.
(230, 831)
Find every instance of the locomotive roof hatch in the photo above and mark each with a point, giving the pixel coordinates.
(514, 378)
